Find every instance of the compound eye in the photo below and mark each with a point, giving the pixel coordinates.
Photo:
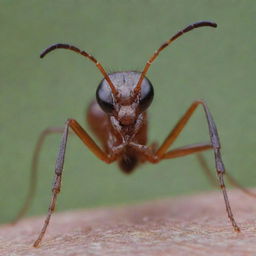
(104, 98)
(146, 95)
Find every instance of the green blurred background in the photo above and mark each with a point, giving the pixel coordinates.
(217, 65)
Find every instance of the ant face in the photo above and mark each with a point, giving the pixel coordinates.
(124, 107)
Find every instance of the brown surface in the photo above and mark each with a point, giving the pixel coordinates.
(195, 225)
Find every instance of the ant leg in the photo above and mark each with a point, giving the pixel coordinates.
(148, 152)
(230, 178)
(33, 171)
(88, 141)
(187, 150)
(220, 169)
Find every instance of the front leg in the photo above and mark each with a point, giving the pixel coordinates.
(88, 141)
(215, 143)
(163, 153)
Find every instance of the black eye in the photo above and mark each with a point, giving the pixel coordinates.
(104, 98)
(146, 95)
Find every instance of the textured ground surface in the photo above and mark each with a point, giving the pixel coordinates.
(195, 225)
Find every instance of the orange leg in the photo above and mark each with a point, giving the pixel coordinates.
(187, 150)
(162, 153)
(88, 141)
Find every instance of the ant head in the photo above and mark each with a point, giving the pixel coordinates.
(125, 95)
(125, 105)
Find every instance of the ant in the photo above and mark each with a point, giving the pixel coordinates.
(118, 118)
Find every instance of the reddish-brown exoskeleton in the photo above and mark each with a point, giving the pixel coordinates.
(118, 118)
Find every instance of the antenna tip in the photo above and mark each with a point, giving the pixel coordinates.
(214, 25)
(205, 23)
(42, 54)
